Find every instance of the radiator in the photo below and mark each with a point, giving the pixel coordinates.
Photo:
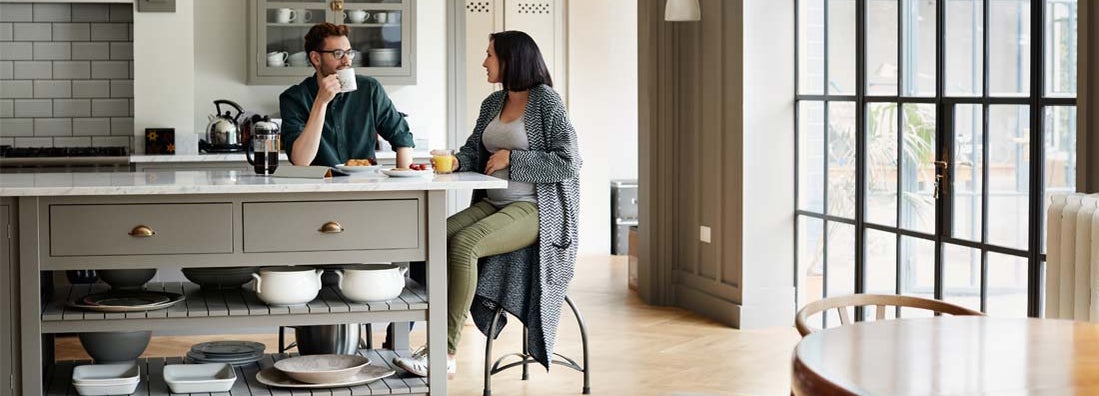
(1072, 257)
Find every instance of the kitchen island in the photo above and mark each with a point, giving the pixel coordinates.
(172, 219)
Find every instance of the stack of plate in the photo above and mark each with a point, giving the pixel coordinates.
(230, 352)
(127, 301)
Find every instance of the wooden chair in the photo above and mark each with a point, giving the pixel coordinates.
(881, 301)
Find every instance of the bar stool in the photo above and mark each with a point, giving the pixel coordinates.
(525, 358)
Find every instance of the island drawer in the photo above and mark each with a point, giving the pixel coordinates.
(331, 225)
(140, 229)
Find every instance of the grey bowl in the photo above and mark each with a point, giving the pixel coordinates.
(126, 278)
(220, 278)
(115, 346)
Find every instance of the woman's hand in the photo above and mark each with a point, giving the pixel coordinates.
(501, 159)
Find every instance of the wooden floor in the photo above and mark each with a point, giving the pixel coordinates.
(636, 349)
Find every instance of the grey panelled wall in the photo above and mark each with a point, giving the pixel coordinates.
(696, 140)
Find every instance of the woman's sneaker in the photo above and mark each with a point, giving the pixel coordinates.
(417, 363)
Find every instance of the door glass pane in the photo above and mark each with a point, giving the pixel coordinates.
(881, 262)
(918, 38)
(1059, 138)
(811, 156)
(811, 47)
(376, 35)
(810, 262)
(962, 276)
(841, 47)
(1007, 285)
(968, 172)
(881, 169)
(1009, 47)
(1060, 56)
(917, 168)
(841, 264)
(881, 47)
(1009, 180)
(285, 30)
(964, 48)
(917, 272)
(841, 159)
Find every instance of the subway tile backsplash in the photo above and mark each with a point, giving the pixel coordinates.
(66, 74)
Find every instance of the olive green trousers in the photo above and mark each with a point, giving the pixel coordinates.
(479, 231)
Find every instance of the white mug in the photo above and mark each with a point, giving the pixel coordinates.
(347, 79)
(303, 16)
(276, 58)
(380, 17)
(355, 16)
(285, 15)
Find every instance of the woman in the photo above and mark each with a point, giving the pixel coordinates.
(524, 237)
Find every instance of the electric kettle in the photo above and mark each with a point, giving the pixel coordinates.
(223, 134)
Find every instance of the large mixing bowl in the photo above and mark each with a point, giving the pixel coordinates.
(115, 346)
(126, 278)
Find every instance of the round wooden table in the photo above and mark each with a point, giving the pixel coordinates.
(950, 355)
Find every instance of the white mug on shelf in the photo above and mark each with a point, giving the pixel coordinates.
(303, 15)
(285, 15)
(355, 16)
(277, 58)
(380, 17)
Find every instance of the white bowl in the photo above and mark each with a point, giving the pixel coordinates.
(371, 282)
(200, 378)
(383, 57)
(320, 369)
(289, 285)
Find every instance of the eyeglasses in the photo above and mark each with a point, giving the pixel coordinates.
(340, 53)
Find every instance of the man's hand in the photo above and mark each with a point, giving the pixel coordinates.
(501, 159)
(327, 88)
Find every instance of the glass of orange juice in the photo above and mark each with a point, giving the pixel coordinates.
(444, 161)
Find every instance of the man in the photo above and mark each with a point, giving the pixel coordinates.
(321, 125)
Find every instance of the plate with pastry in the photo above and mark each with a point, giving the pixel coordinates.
(359, 165)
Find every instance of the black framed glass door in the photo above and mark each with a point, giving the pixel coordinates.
(930, 134)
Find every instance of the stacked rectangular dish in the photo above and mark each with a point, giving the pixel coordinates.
(106, 379)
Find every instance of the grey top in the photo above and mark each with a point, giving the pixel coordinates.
(511, 136)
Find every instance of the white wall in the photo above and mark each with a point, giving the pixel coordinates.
(603, 106)
(768, 259)
(172, 93)
(164, 76)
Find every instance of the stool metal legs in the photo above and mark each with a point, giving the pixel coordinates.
(525, 359)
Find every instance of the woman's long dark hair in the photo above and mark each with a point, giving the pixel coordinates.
(521, 63)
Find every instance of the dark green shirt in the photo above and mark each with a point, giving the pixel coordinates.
(351, 124)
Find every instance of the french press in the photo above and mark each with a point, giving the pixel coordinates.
(263, 151)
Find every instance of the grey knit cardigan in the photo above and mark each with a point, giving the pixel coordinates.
(530, 283)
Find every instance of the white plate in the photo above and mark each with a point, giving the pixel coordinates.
(408, 173)
(273, 377)
(358, 169)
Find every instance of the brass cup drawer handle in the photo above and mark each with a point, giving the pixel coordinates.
(142, 231)
(331, 227)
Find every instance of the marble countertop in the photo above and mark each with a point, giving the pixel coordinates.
(224, 182)
(239, 157)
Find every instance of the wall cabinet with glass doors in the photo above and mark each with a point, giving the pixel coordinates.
(382, 35)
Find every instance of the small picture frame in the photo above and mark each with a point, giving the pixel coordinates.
(160, 141)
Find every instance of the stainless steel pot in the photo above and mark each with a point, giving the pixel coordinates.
(340, 339)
